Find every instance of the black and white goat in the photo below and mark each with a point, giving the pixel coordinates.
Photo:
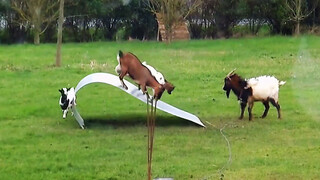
(262, 88)
(67, 100)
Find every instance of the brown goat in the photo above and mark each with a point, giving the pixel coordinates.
(237, 85)
(167, 85)
(131, 65)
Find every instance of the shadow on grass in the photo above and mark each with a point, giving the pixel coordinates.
(131, 120)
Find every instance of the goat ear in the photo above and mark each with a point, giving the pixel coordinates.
(61, 91)
(120, 54)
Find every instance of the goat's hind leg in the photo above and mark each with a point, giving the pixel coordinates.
(121, 76)
(143, 88)
(277, 105)
(266, 110)
(250, 106)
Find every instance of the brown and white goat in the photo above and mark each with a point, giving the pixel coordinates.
(263, 88)
(136, 64)
(131, 65)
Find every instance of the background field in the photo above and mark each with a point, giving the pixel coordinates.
(36, 143)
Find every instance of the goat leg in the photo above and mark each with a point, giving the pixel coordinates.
(121, 76)
(276, 104)
(143, 88)
(123, 85)
(266, 105)
(250, 106)
(243, 107)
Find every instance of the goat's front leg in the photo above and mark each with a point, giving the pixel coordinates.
(243, 107)
(266, 106)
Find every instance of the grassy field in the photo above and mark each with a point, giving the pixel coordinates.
(36, 143)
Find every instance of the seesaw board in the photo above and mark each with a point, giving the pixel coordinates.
(133, 91)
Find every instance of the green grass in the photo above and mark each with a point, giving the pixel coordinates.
(36, 143)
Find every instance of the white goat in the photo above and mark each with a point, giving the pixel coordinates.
(263, 88)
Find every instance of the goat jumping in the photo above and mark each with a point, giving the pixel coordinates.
(130, 65)
(156, 74)
(262, 88)
(67, 100)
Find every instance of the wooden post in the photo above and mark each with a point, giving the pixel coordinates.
(59, 38)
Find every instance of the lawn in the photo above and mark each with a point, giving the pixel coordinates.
(36, 143)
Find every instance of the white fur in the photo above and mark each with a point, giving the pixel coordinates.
(72, 96)
(159, 77)
(118, 69)
(118, 58)
(265, 87)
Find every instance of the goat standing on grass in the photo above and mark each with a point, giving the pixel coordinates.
(263, 88)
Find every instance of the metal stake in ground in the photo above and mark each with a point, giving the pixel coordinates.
(151, 116)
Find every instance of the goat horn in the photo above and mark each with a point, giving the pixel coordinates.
(231, 72)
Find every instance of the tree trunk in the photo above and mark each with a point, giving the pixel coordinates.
(36, 38)
(297, 29)
(59, 38)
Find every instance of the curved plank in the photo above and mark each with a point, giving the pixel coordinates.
(132, 90)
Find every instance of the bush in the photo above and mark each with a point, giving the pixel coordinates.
(122, 34)
(4, 37)
(243, 31)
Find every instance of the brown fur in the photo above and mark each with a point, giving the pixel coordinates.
(168, 86)
(132, 66)
(235, 83)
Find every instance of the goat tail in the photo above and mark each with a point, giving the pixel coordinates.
(120, 54)
(282, 83)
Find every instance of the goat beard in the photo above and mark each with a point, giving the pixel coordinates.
(228, 93)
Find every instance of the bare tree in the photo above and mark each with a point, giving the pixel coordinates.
(36, 13)
(59, 38)
(298, 11)
(172, 12)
